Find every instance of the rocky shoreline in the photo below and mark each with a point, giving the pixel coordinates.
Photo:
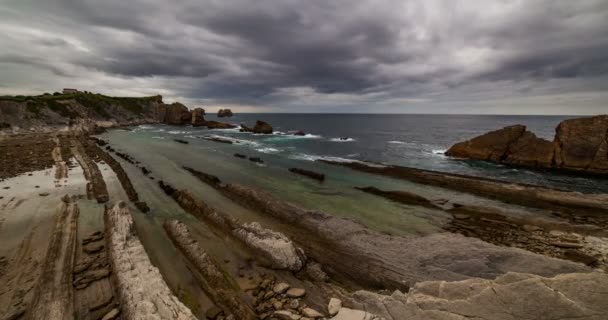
(96, 261)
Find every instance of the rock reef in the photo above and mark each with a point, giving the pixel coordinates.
(140, 286)
(579, 145)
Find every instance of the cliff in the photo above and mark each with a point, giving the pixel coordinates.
(580, 145)
(83, 111)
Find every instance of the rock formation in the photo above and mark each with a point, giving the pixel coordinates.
(392, 261)
(140, 286)
(579, 144)
(219, 125)
(224, 113)
(260, 127)
(509, 297)
(177, 114)
(198, 117)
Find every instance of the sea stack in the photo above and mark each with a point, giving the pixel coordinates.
(580, 144)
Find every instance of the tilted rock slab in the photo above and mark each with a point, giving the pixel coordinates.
(348, 248)
(580, 144)
(274, 247)
(512, 296)
(222, 289)
(142, 292)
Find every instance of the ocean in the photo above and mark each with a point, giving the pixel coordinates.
(408, 140)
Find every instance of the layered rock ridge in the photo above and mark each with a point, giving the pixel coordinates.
(580, 144)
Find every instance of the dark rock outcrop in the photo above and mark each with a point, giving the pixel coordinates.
(260, 127)
(177, 114)
(224, 113)
(198, 117)
(308, 173)
(579, 144)
(218, 125)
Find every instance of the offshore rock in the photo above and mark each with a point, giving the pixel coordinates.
(580, 144)
(222, 113)
(198, 117)
(177, 114)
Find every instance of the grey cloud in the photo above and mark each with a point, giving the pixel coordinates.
(373, 52)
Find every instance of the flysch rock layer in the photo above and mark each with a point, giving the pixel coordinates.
(140, 287)
(348, 248)
(579, 144)
(273, 247)
(512, 296)
(223, 290)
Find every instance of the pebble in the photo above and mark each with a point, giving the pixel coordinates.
(334, 306)
(281, 287)
(311, 313)
(296, 292)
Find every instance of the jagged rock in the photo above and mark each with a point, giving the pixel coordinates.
(580, 144)
(177, 114)
(198, 117)
(262, 127)
(217, 283)
(224, 113)
(139, 285)
(490, 146)
(583, 144)
(295, 292)
(334, 306)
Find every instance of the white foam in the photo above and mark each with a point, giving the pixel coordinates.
(439, 151)
(234, 140)
(342, 140)
(268, 150)
(395, 142)
(157, 137)
(309, 157)
(178, 132)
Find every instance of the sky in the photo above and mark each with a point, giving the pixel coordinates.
(337, 56)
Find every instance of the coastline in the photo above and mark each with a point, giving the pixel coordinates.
(331, 244)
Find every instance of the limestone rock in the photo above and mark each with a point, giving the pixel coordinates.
(198, 117)
(350, 314)
(311, 313)
(509, 297)
(490, 146)
(295, 292)
(531, 151)
(280, 287)
(140, 287)
(334, 306)
(583, 143)
(177, 114)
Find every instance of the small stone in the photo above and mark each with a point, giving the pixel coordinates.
(265, 283)
(268, 295)
(43, 194)
(277, 305)
(113, 314)
(334, 306)
(281, 287)
(294, 304)
(283, 315)
(311, 313)
(213, 312)
(296, 292)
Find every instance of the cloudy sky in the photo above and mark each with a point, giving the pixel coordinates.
(375, 56)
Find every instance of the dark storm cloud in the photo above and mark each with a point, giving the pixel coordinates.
(298, 52)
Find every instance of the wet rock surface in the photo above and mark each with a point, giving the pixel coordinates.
(307, 173)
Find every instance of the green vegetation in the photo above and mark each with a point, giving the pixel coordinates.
(99, 104)
(185, 296)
